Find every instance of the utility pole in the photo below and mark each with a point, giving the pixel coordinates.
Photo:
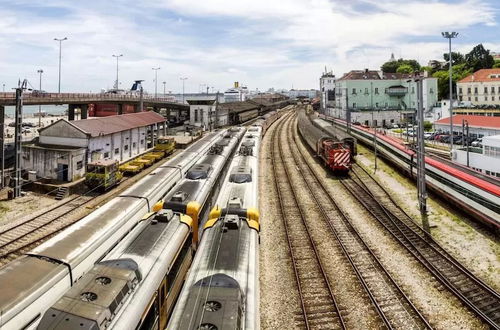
(164, 88)
(117, 83)
(449, 36)
(18, 137)
(141, 99)
(156, 80)
(465, 137)
(40, 106)
(216, 110)
(422, 190)
(183, 80)
(374, 143)
(60, 53)
(348, 112)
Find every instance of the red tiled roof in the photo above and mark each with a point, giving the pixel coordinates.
(482, 75)
(474, 121)
(96, 126)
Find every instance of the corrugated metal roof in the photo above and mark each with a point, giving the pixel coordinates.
(97, 126)
(474, 121)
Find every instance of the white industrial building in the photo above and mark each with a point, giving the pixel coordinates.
(204, 114)
(65, 147)
(479, 126)
(327, 90)
(485, 160)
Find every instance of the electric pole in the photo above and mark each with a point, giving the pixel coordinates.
(117, 83)
(60, 56)
(40, 106)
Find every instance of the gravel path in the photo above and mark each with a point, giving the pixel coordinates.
(278, 293)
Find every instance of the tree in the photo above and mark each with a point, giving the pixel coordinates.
(392, 66)
(497, 64)
(458, 72)
(404, 68)
(456, 58)
(479, 58)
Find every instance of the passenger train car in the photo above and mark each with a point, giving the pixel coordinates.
(32, 283)
(478, 195)
(335, 154)
(222, 289)
(137, 283)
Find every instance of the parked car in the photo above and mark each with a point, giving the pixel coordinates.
(428, 135)
(477, 143)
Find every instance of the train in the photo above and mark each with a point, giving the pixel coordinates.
(336, 154)
(137, 283)
(471, 191)
(34, 282)
(221, 290)
(266, 120)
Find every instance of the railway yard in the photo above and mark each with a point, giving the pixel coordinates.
(341, 245)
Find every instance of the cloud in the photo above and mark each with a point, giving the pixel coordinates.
(259, 43)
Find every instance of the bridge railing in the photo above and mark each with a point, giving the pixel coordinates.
(78, 97)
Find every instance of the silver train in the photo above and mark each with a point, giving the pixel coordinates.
(137, 283)
(222, 287)
(34, 282)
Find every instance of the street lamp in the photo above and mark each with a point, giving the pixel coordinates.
(183, 80)
(40, 71)
(60, 46)
(117, 57)
(164, 88)
(156, 80)
(449, 36)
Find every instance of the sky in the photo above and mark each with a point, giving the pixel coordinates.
(260, 43)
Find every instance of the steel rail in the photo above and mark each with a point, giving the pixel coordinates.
(474, 293)
(346, 228)
(307, 313)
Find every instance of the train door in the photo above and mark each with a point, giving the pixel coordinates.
(162, 291)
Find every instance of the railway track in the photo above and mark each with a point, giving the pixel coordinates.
(21, 235)
(474, 293)
(392, 304)
(318, 305)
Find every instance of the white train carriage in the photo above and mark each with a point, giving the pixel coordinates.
(222, 287)
(196, 193)
(135, 285)
(32, 283)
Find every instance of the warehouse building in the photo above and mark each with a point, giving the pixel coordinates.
(479, 126)
(65, 147)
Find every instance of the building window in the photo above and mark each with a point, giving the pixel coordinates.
(196, 115)
(79, 165)
(492, 90)
(460, 98)
(468, 90)
(376, 105)
(475, 98)
(366, 90)
(354, 91)
(475, 90)
(125, 147)
(431, 90)
(134, 145)
(354, 105)
(493, 98)
(469, 98)
(485, 90)
(142, 142)
(413, 90)
(117, 151)
(460, 90)
(376, 90)
(486, 98)
(106, 155)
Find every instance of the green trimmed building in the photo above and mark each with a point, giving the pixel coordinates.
(388, 98)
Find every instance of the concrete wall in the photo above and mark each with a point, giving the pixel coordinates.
(63, 133)
(121, 146)
(46, 162)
